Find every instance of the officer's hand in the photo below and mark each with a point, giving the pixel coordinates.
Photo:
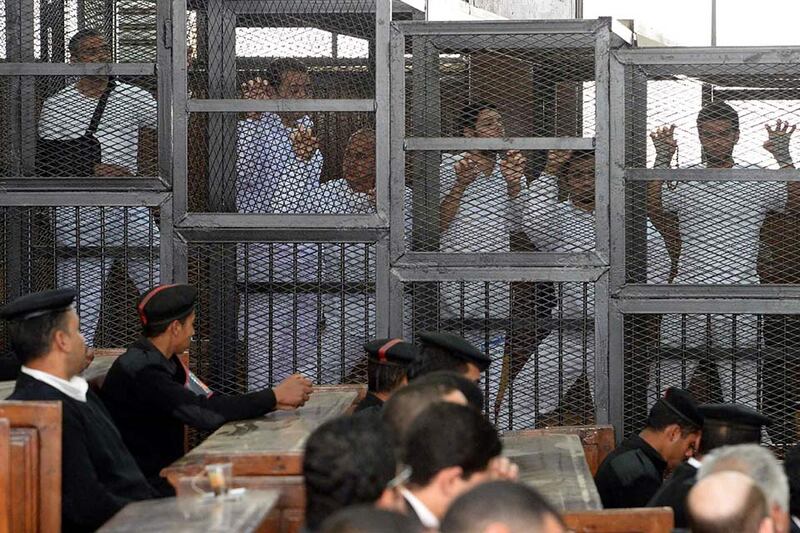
(292, 392)
(88, 358)
(503, 468)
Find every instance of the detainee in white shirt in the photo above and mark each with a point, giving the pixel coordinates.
(477, 215)
(67, 115)
(715, 234)
(278, 171)
(567, 352)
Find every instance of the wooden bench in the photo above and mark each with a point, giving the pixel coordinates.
(597, 441)
(638, 520)
(34, 469)
(5, 476)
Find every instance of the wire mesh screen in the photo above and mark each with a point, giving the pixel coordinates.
(265, 167)
(716, 232)
(746, 359)
(539, 336)
(110, 255)
(268, 310)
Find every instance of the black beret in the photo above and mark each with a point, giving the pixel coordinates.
(457, 346)
(165, 303)
(391, 351)
(733, 414)
(38, 304)
(681, 402)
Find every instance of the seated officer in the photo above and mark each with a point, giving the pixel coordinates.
(151, 393)
(387, 361)
(723, 425)
(445, 351)
(634, 471)
(98, 474)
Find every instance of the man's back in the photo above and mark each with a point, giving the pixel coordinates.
(630, 475)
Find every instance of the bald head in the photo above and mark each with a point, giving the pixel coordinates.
(725, 502)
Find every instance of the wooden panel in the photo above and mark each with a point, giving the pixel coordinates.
(44, 418)
(644, 520)
(597, 441)
(5, 476)
(246, 513)
(269, 445)
(24, 467)
(554, 465)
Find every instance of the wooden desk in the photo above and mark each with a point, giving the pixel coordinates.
(246, 513)
(271, 445)
(555, 465)
(96, 370)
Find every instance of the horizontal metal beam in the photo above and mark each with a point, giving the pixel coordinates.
(705, 56)
(679, 306)
(312, 7)
(91, 184)
(510, 259)
(506, 143)
(768, 93)
(414, 272)
(84, 198)
(717, 299)
(279, 105)
(283, 222)
(711, 174)
(234, 235)
(710, 292)
(77, 69)
(496, 27)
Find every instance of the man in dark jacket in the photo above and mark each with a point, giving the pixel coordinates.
(98, 474)
(634, 471)
(387, 361)
(151, 394)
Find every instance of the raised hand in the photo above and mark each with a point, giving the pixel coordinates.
(777, 142)
(466, 171)
(556, 159)
(304, 142)
(665, 144)
(257, 89)
(513, 169)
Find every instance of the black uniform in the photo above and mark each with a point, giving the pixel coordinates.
(98, 474)
(630, 475)
(369, 401)
(674, 491)
(149, 399)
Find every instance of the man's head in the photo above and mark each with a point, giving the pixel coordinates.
(289, 79)
(167, 312)
(407, 403)
(501, 507)
(728, 501)
(675, 423)
(358, 167)
(387, 360)
(44, 325)
(760, 465)
(368, 519)
(482, 119)
(89, 46)
(729, 424)
(718, 129)
(347, 461)
(448, 448)
(446, 351)
(579, 177)
(448, 378)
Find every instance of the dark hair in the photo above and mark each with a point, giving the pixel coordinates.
(746, 520)
(517, 506)
(791, 465)
(433, 358)
(446, 434)
(347, 460)
(368, 519)
(662, 416)
(384, 377)
(154, 330)
(75, 40)
(279, 67)
(31, 339)
(448, 378)
(400, 411)
(577, 155)
(718, 110)
(470, 113)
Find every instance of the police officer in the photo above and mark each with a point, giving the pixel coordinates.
(723, 425)
(387, 361)
(634, 471)
(446, 351)
(151, 393)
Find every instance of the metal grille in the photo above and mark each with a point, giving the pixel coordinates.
(741, 358)
(110, 255)
(539, 336)
(271, 309)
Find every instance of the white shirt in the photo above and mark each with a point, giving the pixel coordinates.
(75, 388)
(720, 225)
(67, 114)
(424, 514)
